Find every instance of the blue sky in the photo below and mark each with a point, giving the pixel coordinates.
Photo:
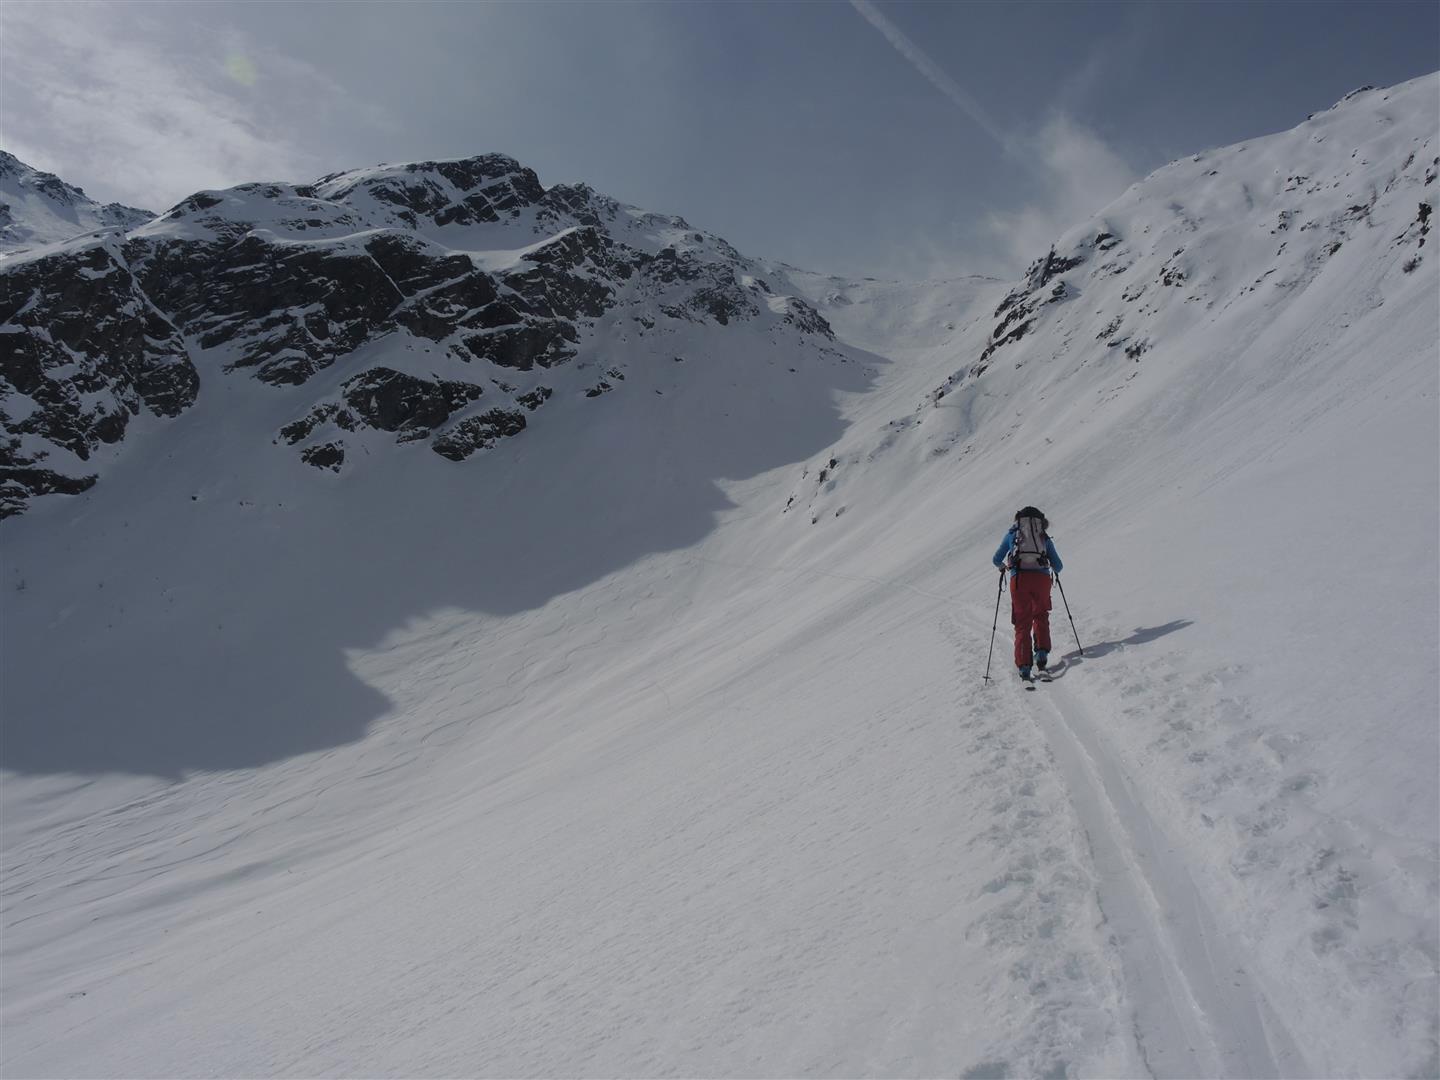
(893, 139)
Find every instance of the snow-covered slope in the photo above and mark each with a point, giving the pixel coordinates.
(1223, 389)
(659, 745)
(38, 208)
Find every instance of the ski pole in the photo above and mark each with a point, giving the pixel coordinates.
(1069, 616)
(996, 623)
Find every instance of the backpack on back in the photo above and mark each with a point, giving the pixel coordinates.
(1029, 550)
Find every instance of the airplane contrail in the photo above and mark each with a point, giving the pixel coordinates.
(927, 67)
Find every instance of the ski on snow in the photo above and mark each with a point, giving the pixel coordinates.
(1041, 676)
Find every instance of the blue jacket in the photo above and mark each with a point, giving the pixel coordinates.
(1009, 542)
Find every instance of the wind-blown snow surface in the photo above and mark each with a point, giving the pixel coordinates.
(664, 749)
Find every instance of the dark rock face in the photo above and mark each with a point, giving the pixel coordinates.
(579, 203)
(1051, 266)
(21, 483)
(479, 190)
(806, 319)
(330, 412)
(392, 401)
(289, 311)
(386, 400)
(468, 298)
(414, 409)
(282, 282)
(1016, 313)
(1173, 273)
(81, 352)
(479, 433)
(330, 455)
(524, 344)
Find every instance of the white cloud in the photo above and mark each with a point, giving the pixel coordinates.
(1074, 171)
(141, 105)
(1078, 173)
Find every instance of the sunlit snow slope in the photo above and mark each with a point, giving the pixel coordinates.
(660, 747)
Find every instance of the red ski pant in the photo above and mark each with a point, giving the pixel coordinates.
(1030, 613)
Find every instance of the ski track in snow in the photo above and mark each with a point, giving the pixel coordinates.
(1197, 1013)
(1192, 1008)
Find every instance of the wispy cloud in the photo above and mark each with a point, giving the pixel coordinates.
(142, 107)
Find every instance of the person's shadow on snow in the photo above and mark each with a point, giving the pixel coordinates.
(1142, 635)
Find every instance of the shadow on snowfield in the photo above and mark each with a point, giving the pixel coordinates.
(199, 610)
(1143, 635)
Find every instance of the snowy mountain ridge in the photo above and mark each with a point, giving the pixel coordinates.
(660, 744)
(38, 208)
(1214, 254)
(477, 286)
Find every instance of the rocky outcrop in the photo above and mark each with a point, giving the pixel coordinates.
(1016, 313)
(474, 191)
(82, 351)
(479, 433)
(383, 399)
(411, 407)
(285, 310)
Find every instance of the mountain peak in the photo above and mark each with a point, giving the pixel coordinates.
(426, 284)
(39, 208)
